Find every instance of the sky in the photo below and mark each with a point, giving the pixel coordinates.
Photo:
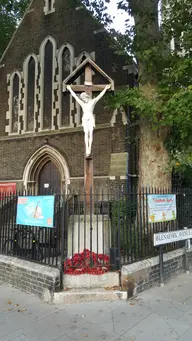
(119, 20)
(120, 17)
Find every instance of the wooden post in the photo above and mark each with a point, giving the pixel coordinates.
(88, 74)
(88, 183)
(88, 163)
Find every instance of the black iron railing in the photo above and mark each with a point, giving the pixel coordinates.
(118, 227)
(34, 243)
(113, 232)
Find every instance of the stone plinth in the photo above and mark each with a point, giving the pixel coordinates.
(79, 234)
(87, 281)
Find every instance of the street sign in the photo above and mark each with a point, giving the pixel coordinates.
(163, 238)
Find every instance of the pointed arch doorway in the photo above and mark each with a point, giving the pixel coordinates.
(46, 172)
(49, 179)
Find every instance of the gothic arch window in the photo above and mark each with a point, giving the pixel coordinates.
(48, 66)
(66, 62)
(30, 78)
(49, 6)
(14, 102)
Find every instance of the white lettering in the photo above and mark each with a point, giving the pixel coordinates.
(171, 237)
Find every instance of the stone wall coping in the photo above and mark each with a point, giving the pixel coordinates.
(135, 267)
(147, 263)
(30, 266)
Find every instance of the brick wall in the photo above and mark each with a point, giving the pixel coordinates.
(43, 281)
(145, 274)
(71, 145)
(32, 278)
(64, 25)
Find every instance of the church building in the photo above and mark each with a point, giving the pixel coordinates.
(41, 134)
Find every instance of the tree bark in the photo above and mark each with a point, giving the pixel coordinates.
(154, 169)
(154, 159)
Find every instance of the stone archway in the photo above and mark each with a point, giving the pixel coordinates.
(36, 163)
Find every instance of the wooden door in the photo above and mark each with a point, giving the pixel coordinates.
(49, 180)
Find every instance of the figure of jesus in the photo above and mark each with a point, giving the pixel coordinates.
(87, 104)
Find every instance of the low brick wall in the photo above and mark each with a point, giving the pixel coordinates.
(44, 281)
(33, 278)
(142, 275)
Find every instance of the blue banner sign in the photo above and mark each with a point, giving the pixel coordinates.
(35, 211)
(161, 207)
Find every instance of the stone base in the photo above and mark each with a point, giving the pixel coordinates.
(107, 280)
(81, 295)
(79, 229)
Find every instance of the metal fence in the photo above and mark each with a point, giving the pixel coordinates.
(37, 244)
(112, 232)
(116, 231)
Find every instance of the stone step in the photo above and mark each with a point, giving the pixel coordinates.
(83, 295)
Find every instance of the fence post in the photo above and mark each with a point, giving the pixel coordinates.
(187, 248)
(118, 257)
(161, 265)
(62, 241)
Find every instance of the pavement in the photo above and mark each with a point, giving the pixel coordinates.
(159, 314)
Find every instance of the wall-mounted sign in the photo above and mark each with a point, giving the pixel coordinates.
(7, 188)
(172, 236)
(46, 185)
(161, 207)
(35, 211)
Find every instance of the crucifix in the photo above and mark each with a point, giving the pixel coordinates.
(87, 104)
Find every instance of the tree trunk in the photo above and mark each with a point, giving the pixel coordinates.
(154, 170)
(154, 175)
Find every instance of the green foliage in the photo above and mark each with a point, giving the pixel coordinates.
(126, 231)
(11, 11)
(164, 97)
(98, 9)
(164, 108)
(123, 215)
(184, 178)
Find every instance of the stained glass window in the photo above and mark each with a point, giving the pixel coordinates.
(15, 104)
(65, 105)
(48, 86)
(30, 95)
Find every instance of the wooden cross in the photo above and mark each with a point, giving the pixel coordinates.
(88, 66)
(88, 163)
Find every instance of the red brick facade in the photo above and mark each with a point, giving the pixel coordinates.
(76, 27)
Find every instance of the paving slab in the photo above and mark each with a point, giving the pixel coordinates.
(93, 332)
(179, 327)
(153, 327)
(186, 336)
(160, 314)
